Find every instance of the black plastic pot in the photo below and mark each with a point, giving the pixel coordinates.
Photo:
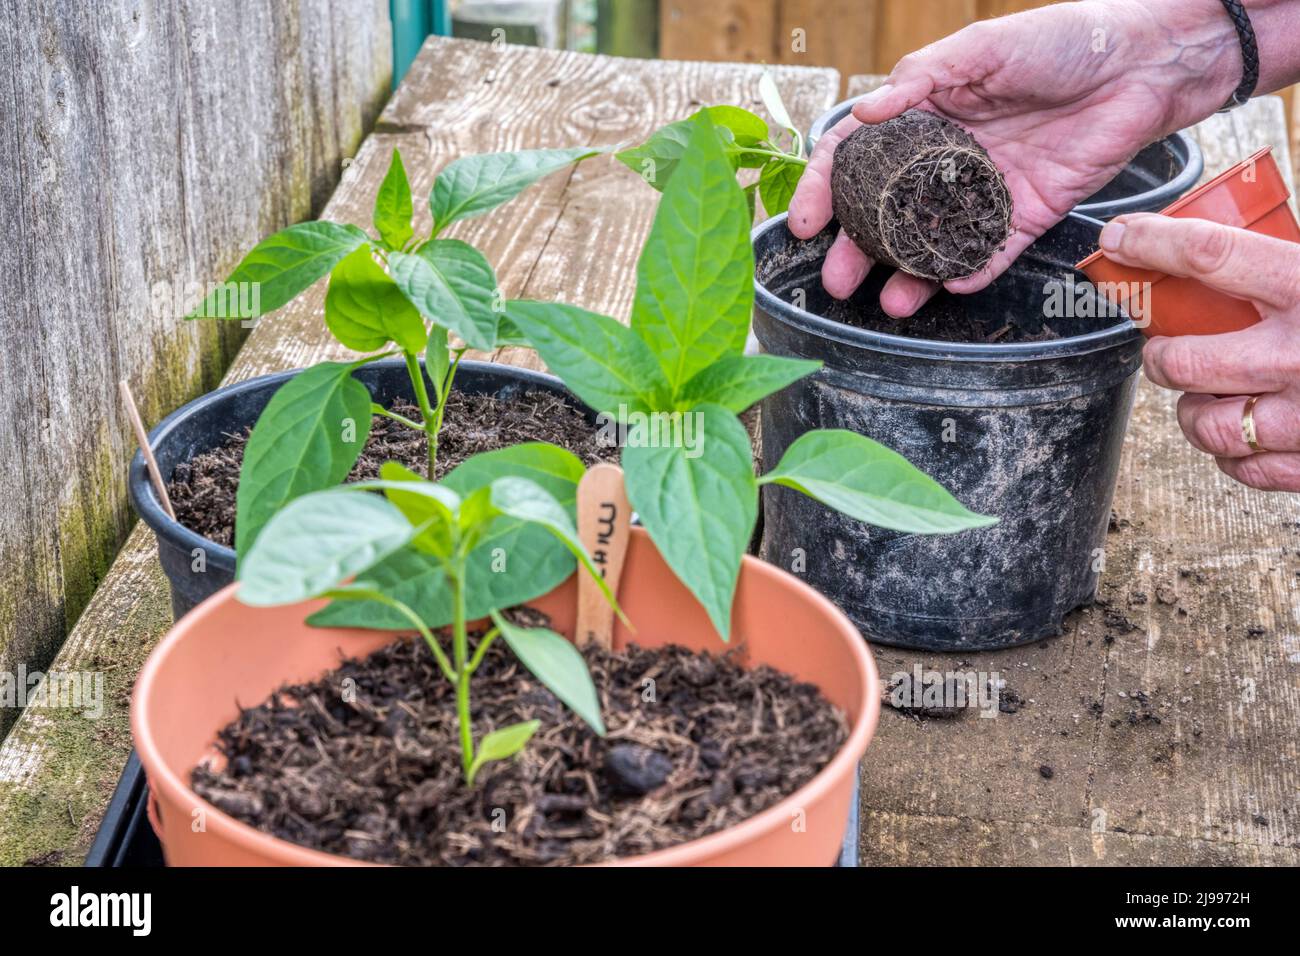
(1153, 179)
(197, 567)
(1030, 432)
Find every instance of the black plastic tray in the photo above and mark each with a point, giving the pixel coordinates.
(125, 837)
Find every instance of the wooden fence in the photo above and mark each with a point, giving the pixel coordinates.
(143, 147)
(854, 36)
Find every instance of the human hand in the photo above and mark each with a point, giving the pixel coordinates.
(1061, 97)
(1218, 373)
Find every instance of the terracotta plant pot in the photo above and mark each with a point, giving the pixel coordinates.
(1251, 195)
(224, 654)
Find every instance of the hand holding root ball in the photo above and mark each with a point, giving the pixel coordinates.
(1219, 374)
(1061, 97)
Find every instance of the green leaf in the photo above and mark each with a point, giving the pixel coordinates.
(316, 542)
(656, 159)
(555, 469)
(603, 361)
(557, 664)
(699, 506)
(417, 579)
(393, 205)
(450, 282)
(365, 310)
(437, 358)
(529, 501)
(738, 381)
(429, 507)
(472, 185)
(695, 277)
(775, 105)
(281, 266)
(510, 334)
(307, 439)
(746, 128)
(867, 481)
(501, 744)
(776, 185)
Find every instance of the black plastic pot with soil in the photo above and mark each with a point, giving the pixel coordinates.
(1015, 399)
(199, 449)
(1151, 180)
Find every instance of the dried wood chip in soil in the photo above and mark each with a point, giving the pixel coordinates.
(696, 743)
(203, 489)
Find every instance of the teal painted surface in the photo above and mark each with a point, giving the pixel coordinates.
(413, 20)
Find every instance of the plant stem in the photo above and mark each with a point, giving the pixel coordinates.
(378, 409)
(426, 410)
(481, 650)
(788, 157)
(460, 651)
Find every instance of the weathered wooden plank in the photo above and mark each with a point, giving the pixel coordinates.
(1172, 742)
(573, 236)
(889, 839)
(145, 146)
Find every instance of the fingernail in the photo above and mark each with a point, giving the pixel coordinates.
(1112, 235)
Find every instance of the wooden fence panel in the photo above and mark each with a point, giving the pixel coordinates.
(737, 30)
(145, 145)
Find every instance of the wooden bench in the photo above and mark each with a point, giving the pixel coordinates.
(1210, 781)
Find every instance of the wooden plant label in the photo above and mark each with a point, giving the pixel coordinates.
(142, 436)
(604, 526)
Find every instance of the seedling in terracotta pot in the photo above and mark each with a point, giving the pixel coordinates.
(396, 294)
(679, 370)
(324, 544)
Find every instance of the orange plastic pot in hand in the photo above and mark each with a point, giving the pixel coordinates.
(1251, 195)
(223, 654)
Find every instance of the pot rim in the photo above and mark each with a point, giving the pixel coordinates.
(145, 499)
(1182, 145)
(1268, 200)
(821, 327)
(283, 852)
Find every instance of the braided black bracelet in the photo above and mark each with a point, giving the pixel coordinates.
(1249, 55)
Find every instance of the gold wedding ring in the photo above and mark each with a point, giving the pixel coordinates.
(1248, 433)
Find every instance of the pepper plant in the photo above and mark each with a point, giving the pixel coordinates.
(392, 294)
(747, 141)
(326, 543)
(682, 355)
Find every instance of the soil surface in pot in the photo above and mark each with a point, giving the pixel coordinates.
(919, 193)
(203, 489)
(1009, 310)
(375, 774)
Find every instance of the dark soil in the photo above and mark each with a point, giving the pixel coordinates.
(203, 489)
(920, 194)
(1008, 311)
(374, 773)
